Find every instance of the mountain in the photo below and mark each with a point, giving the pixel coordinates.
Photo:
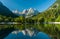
(5, 11)
(31, 12)
(26, 12)
(57, 3)
(18, 13)
(50, 15)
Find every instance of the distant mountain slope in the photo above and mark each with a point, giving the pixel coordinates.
(49, 15)
(58, 1)
(5, 11)
(26, 12)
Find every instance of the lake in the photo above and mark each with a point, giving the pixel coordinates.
(23, 35)
(29, 31)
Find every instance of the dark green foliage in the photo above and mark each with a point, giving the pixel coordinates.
(5, 11)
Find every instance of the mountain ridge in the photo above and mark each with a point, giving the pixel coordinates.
(5, 11)
(51, 14)
(26, 12)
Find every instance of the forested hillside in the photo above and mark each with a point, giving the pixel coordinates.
(50, 15)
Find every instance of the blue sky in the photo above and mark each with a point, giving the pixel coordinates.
(20, 5)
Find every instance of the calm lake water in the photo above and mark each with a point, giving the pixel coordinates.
(21, 35)
(28, 31)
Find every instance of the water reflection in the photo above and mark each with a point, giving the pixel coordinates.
(30, 31)
(20, 35)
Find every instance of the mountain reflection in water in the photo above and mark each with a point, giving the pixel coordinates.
(26, 35)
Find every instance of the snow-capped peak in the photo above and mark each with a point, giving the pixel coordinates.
(27, 12)
(31, 10)
(24, 11)
(15, 11)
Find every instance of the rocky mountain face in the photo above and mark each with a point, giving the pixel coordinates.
(26, 12)
(5, 11)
